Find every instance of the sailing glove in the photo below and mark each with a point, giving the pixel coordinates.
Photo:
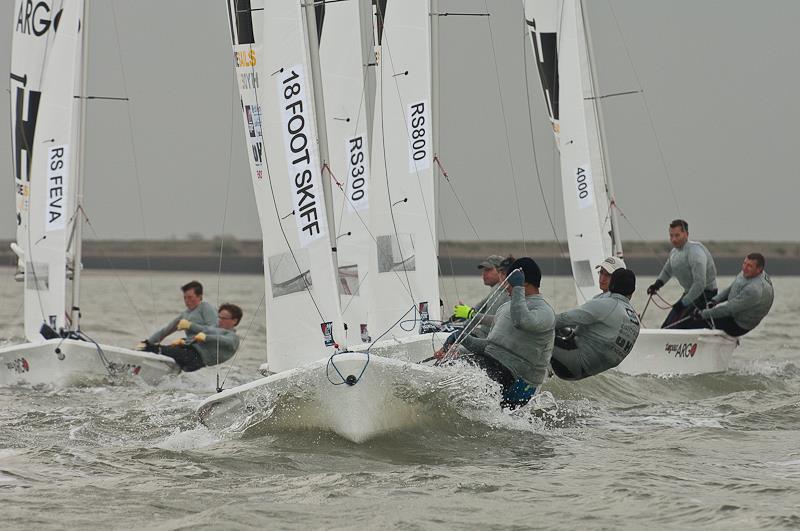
(462, 311)
(178, 343)
(184, 324)
(516, 278)
(200, 337)
(654, 287)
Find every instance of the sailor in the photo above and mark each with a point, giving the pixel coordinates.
(604, 271)
(693, 266)
(482, 313)
(197, 311)
(517, 352)
(602, 331)
(741, 306)
(208, 345)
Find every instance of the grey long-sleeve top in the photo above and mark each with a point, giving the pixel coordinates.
(222, 339)
(694, 268)
(485, 315)
(748, 301)
(606, 327)
(204, 314)
(521, 338)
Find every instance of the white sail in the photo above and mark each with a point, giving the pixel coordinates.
(343, 60)
(46, 46)
(560, 48)
(402, 204)
(34, 33)
(302, 301)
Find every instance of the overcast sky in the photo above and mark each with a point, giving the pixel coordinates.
(720, 81)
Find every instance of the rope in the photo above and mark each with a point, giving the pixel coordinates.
(446, 176)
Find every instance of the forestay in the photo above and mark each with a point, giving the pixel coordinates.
(46, 44)
(560, 48)
(343, 59)
(302, 300)
(402, 205)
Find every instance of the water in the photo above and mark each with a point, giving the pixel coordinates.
(615, 451)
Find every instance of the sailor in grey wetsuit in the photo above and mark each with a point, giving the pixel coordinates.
(197, 311)
(209, 345)
(742, 305)
(693, 266)
(605, 330)
(517, 352)
(605, 269)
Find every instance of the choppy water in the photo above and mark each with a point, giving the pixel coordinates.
(613, 451)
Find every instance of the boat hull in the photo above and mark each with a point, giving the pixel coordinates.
(72, 362)
(388, 395)
(679, 352)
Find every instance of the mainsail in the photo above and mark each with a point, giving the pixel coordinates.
(559, 44)
(302, 299)
(402, 205)
(46, 45)
(344, 62)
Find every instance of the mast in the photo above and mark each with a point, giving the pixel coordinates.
(75, 312)
(322, 130)
(434, 36)
(616, 236)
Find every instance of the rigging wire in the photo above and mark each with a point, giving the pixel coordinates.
(647, 109)
(505, 127)
(135, 158)
(225, 205)
(525, 47)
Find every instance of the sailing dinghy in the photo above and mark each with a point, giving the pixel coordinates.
(349, 244)
(49, 45)
(562, 50)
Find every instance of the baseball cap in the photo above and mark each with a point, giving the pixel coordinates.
(611, 264)
(491, 262)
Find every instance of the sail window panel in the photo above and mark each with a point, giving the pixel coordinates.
(396, 253)
(348, 280)
(582, 271)
(289, 273)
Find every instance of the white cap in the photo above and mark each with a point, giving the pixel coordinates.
(611, 264)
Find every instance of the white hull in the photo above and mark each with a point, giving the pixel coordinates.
(72, 362)
(675, 352)
(388, 397)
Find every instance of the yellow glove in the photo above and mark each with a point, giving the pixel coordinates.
(178, 342)
(462, 311)
(200, 337)
(184, 324)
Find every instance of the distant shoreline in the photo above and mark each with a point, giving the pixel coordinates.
(455, 258)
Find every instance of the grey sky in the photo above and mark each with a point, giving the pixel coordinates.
(720, 81)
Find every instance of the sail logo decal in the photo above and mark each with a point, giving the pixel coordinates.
(584, 189)
(327, 333)
(19, 365)
(252, 115)
(681, 350)
(417, 120)
(56, 199)
(309, 210)
(357, 174)
(33, 18)
(24, 127)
